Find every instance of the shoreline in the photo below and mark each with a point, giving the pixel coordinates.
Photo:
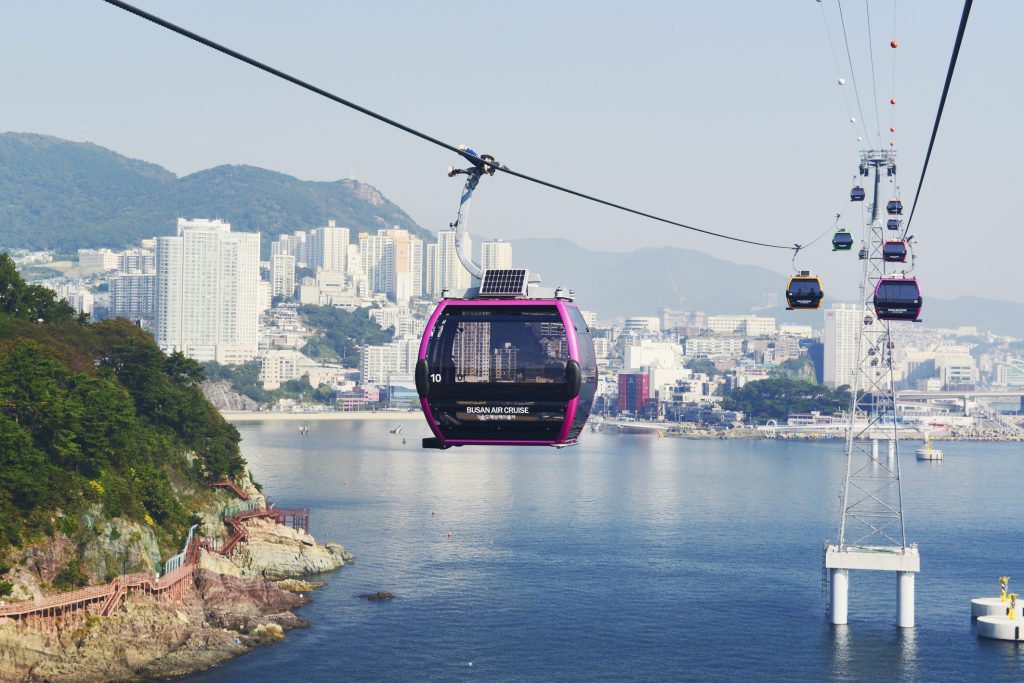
(269, 416)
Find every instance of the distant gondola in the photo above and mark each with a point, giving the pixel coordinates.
(895, 207)
(857, 194)
(893, 223)
(898, 298)
(842, 240)
(894, 251)
(804, 292)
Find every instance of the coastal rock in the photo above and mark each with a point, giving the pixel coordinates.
(339, 550)
(275, 551)
(298, 585)
(378, 596)
(240, 603)
(141, 639)
(218, 564)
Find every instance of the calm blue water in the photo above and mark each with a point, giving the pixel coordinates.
(626, 558)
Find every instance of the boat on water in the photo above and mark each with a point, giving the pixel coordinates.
(926, 452)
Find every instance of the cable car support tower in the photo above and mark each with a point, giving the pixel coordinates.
(872, 533)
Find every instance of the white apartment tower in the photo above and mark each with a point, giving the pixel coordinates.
(207, 292)
(448, 270)
(282, 275)
(327, 248)
(495, 254)
(842, 357)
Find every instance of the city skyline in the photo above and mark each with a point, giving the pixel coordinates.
(799, 119)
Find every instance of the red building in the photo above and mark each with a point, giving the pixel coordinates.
(633, 391)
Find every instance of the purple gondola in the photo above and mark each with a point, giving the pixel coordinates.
(519, 372)
(898, 298)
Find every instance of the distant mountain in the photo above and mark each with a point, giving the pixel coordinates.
(641, 282)
(63, 195)
(614, 284)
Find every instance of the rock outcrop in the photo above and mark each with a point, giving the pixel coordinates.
(274, 551)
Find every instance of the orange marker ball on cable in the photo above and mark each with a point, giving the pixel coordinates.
(892, 130)
(894, 44)
(892, 101)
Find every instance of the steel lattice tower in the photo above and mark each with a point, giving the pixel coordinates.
(872, 532)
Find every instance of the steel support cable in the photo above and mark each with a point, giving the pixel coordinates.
(412, 131)
(853, 75)
(942, 105)
(874, 86)
(892, 102)
(835, 59)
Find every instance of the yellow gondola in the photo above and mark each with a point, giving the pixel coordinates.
(804, 292)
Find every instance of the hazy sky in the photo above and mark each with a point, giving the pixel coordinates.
(725, 115)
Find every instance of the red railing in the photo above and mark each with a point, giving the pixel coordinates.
(231, 486)
(47, 611)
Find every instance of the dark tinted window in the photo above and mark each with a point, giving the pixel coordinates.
(805, 289)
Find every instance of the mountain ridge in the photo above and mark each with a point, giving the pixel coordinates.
(63, 195)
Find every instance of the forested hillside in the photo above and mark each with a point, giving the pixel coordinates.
(96, 420)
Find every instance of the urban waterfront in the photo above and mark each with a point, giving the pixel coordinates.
(625, 558)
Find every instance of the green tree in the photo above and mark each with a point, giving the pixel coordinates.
(777, 398)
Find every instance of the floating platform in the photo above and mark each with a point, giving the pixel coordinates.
(993, 607)
(1000, 628)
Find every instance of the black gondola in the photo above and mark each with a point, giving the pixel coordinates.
(898, 298)
(804, 292)
(857, 194)
(842, 241)
(893, 223)
(506, 371)
(895, 207)
(894, 251)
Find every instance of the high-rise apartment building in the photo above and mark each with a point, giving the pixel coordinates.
(842, 356)
(282, 275)
(393, 262)
(495, 254)
(137, 260)
(431, 282)
(133, 296)
(327, 248)
(449, 272)
(207, 291)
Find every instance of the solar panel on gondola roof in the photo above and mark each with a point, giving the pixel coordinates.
(504, 282)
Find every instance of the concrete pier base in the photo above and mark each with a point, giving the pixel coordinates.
(1000, 628)
(905, 599)
(839, 583)
(994, 607)
(905, 562)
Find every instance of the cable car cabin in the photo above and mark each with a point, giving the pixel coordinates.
(895, 207)
(804, 292)
(898, 298)
(894, 251)
(857, 194)
(842, 241)
(893, 223)
(506, 372)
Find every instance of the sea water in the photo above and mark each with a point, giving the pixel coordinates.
(626, 558)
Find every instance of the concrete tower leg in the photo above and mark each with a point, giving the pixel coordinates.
(905, 599)
(840, 586)
(874, 449)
